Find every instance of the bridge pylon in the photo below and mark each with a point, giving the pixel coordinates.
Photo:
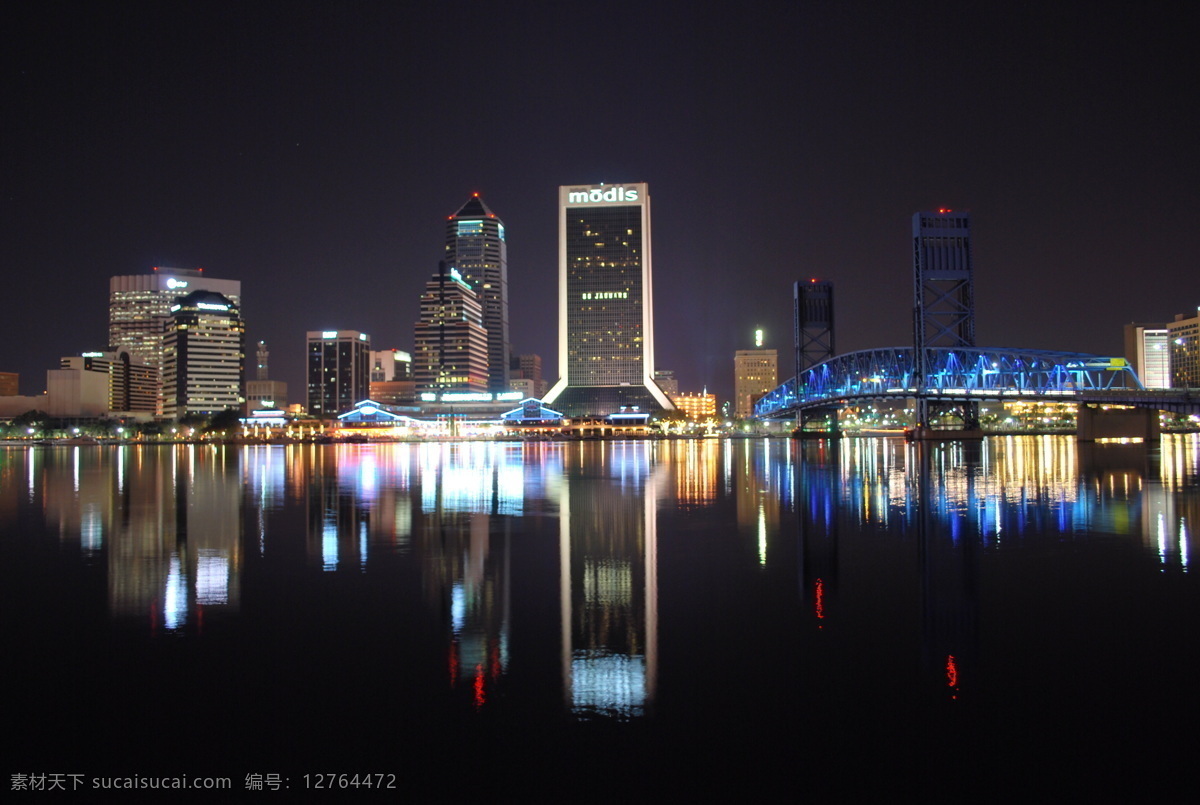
(943, 302)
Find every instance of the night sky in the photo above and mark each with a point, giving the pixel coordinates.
(314, 151)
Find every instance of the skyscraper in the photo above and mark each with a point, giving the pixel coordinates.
(449, 342)
(203, 356)
(339, 371)
(475, 246)
(139, 308)
(755, 372)
(605, 306)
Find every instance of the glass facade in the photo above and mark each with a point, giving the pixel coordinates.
(605, 306)
(475, 246)
(339, 371)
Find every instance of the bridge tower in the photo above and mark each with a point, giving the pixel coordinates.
(943, 298)
(813, 321)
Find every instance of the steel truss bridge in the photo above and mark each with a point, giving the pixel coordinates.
(967, 374)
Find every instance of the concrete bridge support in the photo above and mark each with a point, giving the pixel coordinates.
(1094, 422)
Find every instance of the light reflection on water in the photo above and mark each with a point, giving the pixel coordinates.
(651, 571)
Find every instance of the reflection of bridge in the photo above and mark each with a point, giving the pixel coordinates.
(968, 374)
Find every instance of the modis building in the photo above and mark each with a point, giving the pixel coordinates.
(605, 306)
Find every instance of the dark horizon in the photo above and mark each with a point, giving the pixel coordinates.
(314, 155)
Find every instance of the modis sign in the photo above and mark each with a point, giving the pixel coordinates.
(603, 195)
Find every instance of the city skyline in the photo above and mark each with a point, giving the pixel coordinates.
(291, 154)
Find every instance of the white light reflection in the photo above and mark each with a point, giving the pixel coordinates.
(1183, 544)
(212, 577)
(329, 546)
(175, 595)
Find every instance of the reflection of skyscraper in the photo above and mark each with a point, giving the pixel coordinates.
(475, 246)
(609, 577)
(605, 306)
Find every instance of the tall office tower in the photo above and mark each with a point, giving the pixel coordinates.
(132, 386)
(262, 392)
(339, 371)
(139, 307)
(1147, 349)
(755, 372)
(450, 343)
(204, 356)
(605, 305)
(9, 384)
(1184, 337)
(812, 317)
(475, 246)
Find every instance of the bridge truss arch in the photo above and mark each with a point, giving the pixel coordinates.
(960, 374)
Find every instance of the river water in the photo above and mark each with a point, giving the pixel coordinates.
(578, 621)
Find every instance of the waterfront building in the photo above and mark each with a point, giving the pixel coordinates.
(666, 380)
(1184, 337)
(525, 374)
(262, 392)
(10, 384)
(139, 308)
(450, 343)
(755, 372)
(203, 356)
(698, 407)
(605, 305)
(388, 365)
(132, 386)
(475, 245)
(339, 363)
(1147, 350)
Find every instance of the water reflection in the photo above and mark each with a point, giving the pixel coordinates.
(580, 578)
(608, 553)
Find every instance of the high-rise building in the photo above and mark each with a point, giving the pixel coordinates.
(1147, 350)
(475, 246)
(10, 384)
(666, 380)
(755, 372)
(1184, 337)
(204, 356)
(525, 375)
(339, 371)
(450, 343)
(133, 386)
(605, 305)
(139, 307)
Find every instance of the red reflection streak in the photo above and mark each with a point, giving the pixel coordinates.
(494, 661)
(480, 698)
(453, 661)
(820, 602)
(952, 674)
